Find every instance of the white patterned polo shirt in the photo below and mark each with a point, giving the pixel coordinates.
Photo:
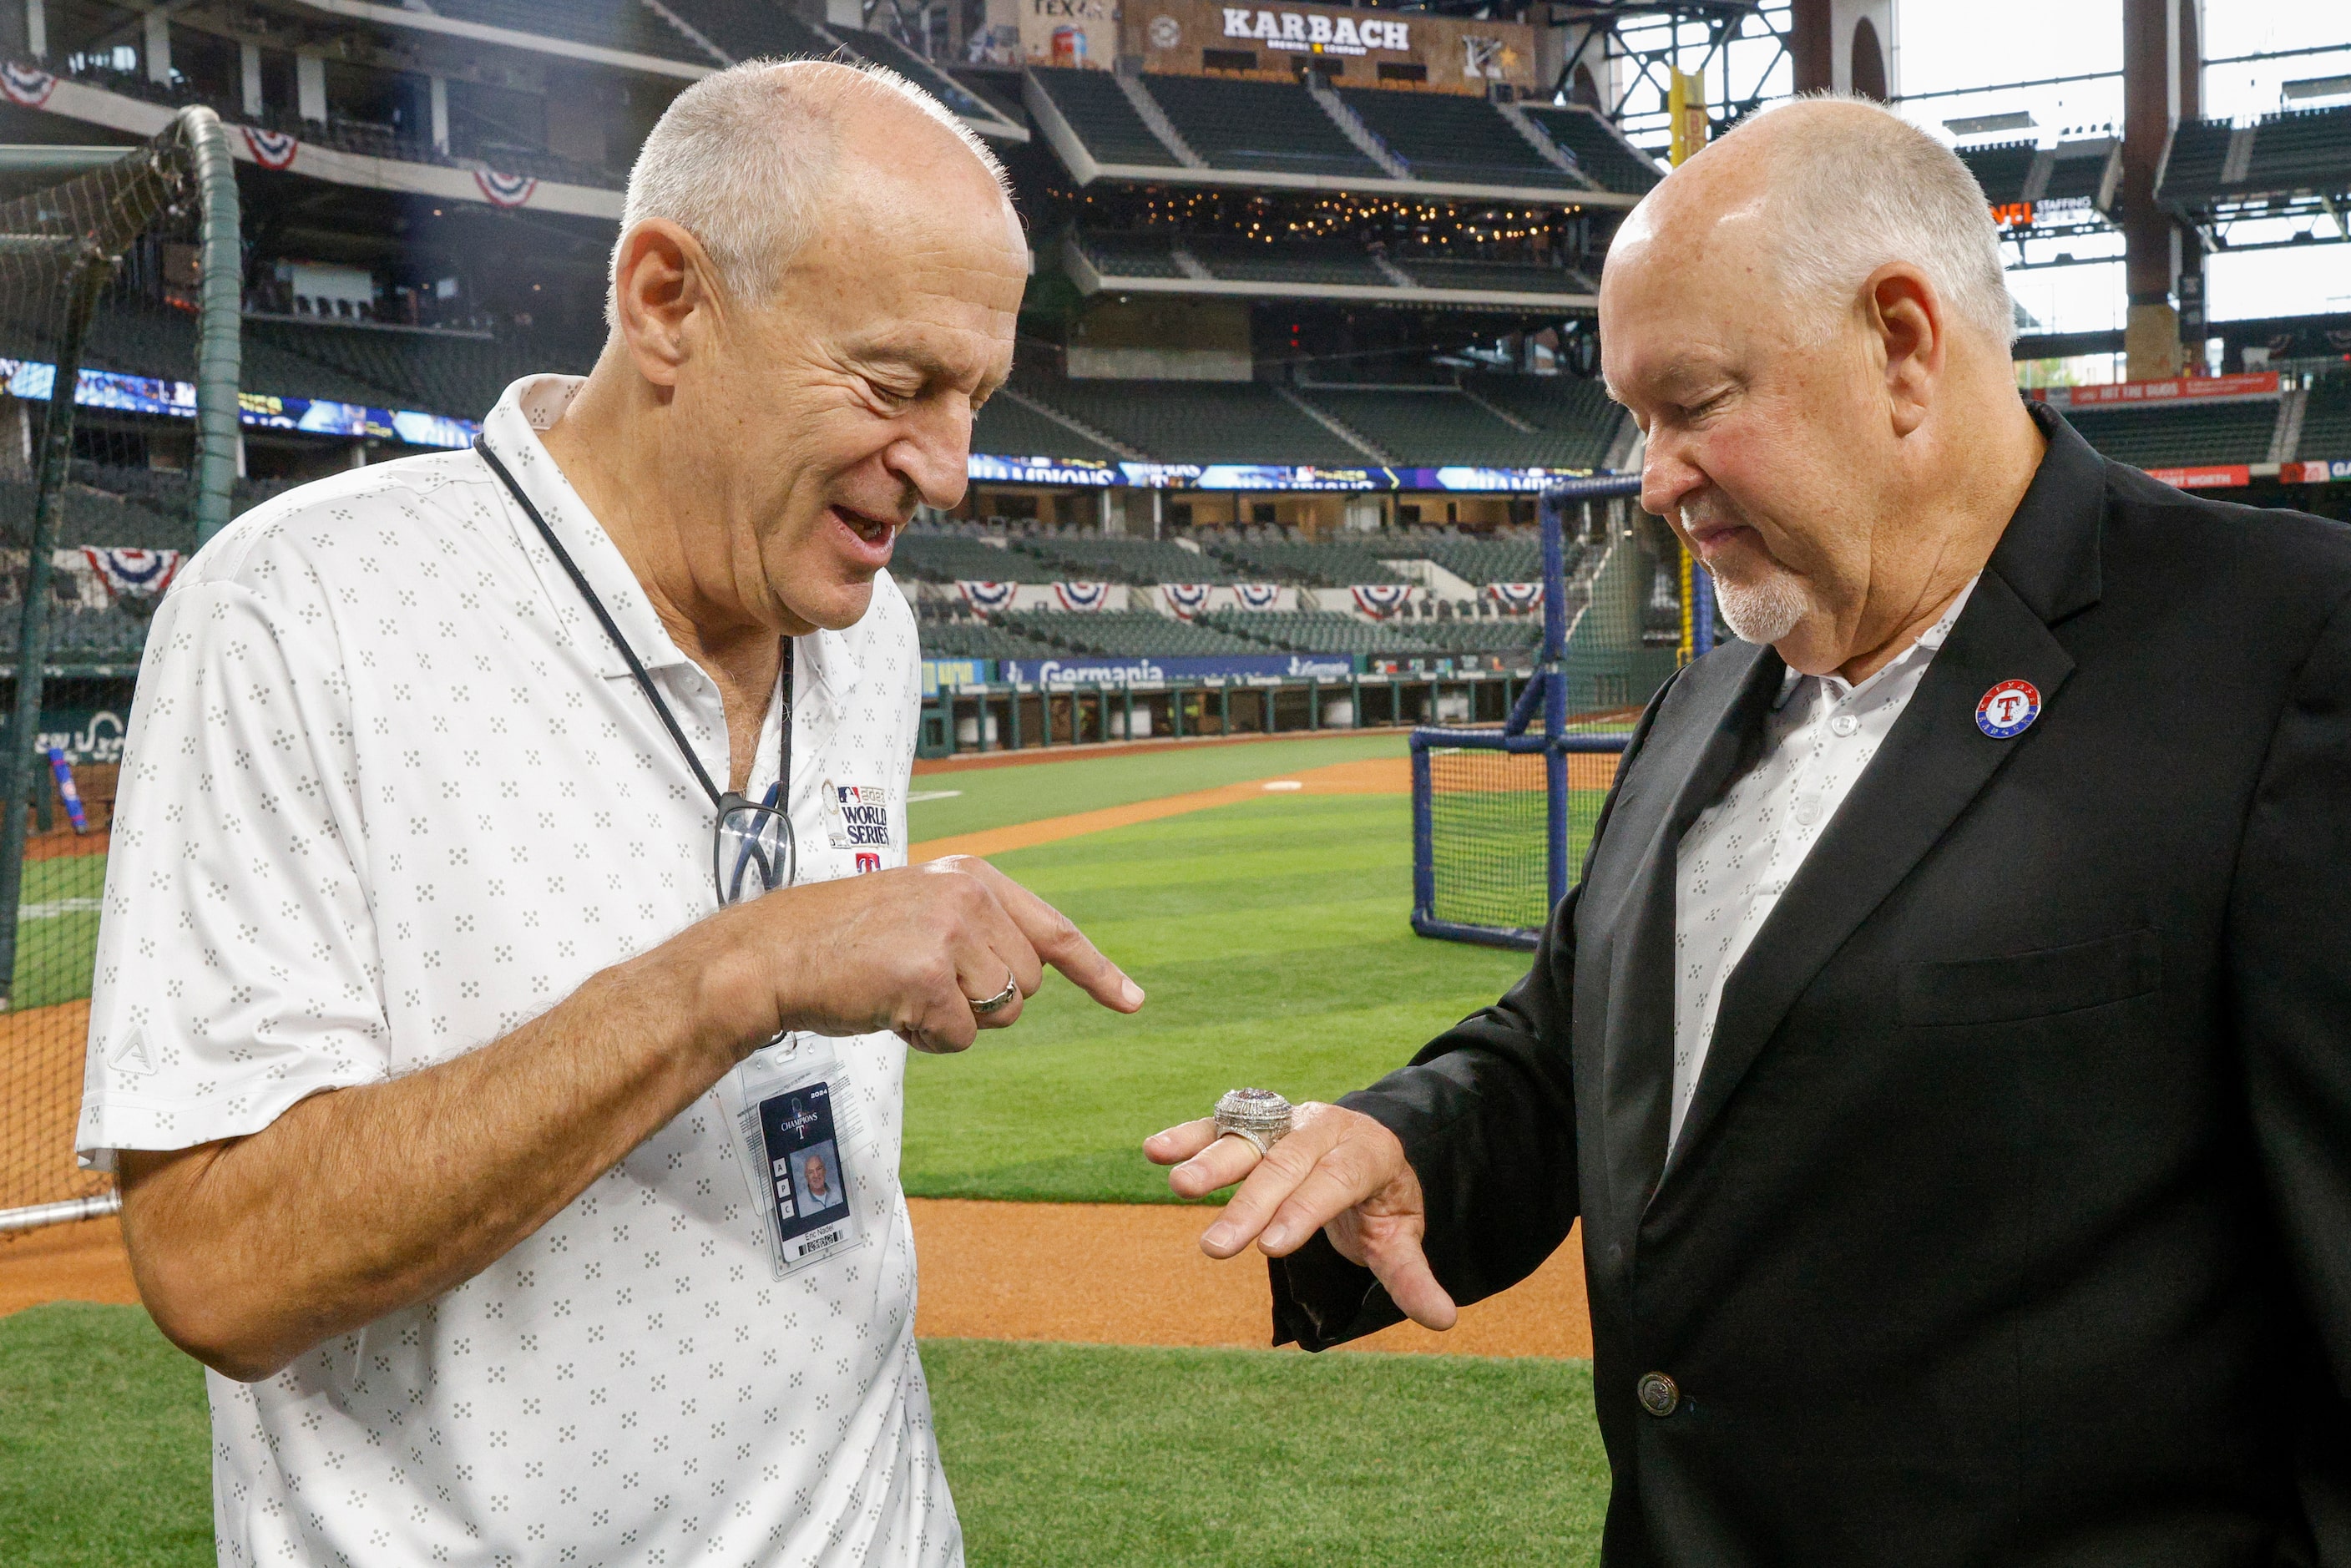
(1739, 857)
(389, 792)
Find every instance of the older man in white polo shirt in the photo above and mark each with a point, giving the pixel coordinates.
(463, 1132)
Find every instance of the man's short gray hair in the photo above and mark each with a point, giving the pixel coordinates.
(1857, 190)
(743, 158)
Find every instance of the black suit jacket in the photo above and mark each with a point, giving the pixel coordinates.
(2011, 1222)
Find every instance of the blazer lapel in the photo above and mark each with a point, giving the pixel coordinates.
(2045, 569)
(1932, 765)
(1637, 1068)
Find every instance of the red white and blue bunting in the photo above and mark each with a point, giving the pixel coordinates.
(1258, 595)
(1183, 599)
(986, 597)
(1081, 595)
(1380, 598)
(270, 149)
(26, 86)
(504, 190)
(1516, 596)
(133, 573)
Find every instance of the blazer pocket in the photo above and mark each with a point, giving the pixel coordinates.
(2032, 985)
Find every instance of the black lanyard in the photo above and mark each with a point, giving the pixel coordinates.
(781, 795)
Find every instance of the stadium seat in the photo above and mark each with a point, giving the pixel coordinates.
(1444, 136)
(1004, 428)
(1497, 277)
(1148, 254)
(1319, 632)
(2326, 419)
(2297, 150)
(929, 556)
(635, 28)
(1199, 422)
(1309, 565)
(1101, 117)
(1577, 422)
(1437, 426)
(1290, 260)
(1133, 632)
(1092, 558)
(1259, 125)
(2170, 437)
(1596, 147)
(978, 639)
(1478, 562)
(2000, 168)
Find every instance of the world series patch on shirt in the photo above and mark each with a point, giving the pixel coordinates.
(857, 816)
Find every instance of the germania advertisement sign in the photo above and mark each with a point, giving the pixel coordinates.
(1092, 670)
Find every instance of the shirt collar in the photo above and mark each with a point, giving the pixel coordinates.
(529, 406)
(1925, 648)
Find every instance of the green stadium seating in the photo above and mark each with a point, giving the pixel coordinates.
(978, 639)
(1145, 255)
(1476, 561)
(1497, 277)
(2326, 419)
(1004, 428)
(930, 556)
(2171, 437)
(1298, 561)
(1444, 136)
(625, 26)
(1434, 427)
(1287, 260)
(2000, 168)
(1577, 421)
(1092, 559)
(1259, 125)
(1595, 146)
(1101, 117)
(1199, 422)
(1319, 632)
(1136, 631)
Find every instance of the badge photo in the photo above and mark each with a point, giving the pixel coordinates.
(2008, 709)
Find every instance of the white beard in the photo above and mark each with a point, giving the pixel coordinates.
(1762, 612)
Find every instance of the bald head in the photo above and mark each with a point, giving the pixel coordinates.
(750, 160)
(1824, 191)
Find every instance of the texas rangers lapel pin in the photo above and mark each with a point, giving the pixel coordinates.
(2008, 709)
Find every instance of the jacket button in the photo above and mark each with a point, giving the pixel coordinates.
(1659, 1396)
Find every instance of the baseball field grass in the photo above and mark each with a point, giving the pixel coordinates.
(1059, 1455)
(1272, 937)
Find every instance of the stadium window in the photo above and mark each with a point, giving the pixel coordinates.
(1262, 512)
(1402, 70)
(1229, 59)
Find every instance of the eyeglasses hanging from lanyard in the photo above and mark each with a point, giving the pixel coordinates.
(751, 846)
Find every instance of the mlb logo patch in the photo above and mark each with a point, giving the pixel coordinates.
(857, 816)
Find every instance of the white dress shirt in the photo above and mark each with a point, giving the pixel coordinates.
(389, 792)
(1741, 852)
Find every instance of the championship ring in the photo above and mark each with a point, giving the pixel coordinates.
(1258, 1114)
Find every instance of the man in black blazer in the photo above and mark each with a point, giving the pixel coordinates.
(1999, 1212)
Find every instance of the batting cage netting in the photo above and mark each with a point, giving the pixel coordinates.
(107, 276)
(1501, 816)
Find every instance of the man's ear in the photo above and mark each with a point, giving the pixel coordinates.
(667, 298)
(1906, 318)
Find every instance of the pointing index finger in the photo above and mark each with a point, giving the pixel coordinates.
(1058, 940)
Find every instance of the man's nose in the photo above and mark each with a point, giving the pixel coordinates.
(935, 453)
(1667, 475)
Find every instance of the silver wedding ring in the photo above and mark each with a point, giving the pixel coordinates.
(1259, 1116)
(1001, 998)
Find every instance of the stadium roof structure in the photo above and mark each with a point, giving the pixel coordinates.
(2071, 188)
(1166, 263)
(1259, 135)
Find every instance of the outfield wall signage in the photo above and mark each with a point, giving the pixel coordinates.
(2208, 476)
(951, 674)
(2175, 390)
(1113, 670)
(1360, 47)
(984, 468)
(2315, 471)
(33, 380)
(85, 735)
